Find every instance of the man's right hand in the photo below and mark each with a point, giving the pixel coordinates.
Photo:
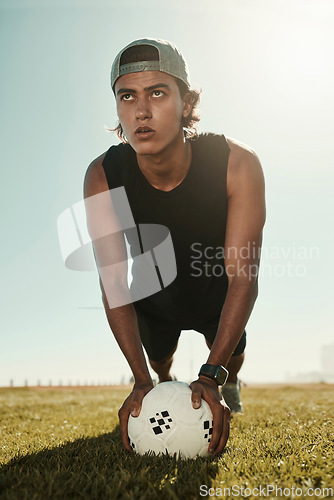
(132, 405)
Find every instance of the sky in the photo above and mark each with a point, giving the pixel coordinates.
(266, 73)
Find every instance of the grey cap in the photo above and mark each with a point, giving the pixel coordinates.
(170, 61)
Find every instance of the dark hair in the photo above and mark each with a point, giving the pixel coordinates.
(150, 53)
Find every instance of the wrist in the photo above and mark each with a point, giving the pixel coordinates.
(141, 375)
(217, 373)
(139, 381)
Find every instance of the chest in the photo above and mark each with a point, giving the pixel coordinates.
(193, 216)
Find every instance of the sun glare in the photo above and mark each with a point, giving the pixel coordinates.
(301, 51)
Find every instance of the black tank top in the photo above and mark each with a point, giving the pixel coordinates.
(195, 213)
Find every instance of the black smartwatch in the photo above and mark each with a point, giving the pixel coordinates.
(216, 372)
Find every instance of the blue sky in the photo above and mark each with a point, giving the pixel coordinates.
(267, 79)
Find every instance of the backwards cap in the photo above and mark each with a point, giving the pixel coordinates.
(170, 61)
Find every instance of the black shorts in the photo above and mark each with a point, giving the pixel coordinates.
(160, 339)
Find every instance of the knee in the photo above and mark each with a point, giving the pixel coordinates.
(236, 359)
(163, 361)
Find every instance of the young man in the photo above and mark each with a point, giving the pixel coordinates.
(208, 191)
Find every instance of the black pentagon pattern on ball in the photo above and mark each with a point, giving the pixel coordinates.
(161, 420)
(208, 430)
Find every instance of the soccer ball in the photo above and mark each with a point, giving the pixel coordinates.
(168, 423)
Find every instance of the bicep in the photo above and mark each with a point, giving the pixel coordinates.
(101, 215)
(246, 217)
(104, 227)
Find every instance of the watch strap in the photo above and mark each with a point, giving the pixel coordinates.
(216, 372)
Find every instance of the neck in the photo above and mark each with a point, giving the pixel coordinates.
(167, 169)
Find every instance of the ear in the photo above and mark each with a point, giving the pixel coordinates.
(187, 105)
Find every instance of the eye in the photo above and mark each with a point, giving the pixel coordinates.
(157, 93)
(126, 97)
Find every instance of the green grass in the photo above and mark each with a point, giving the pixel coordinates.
(65, 444)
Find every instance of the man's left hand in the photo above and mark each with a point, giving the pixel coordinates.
(207, 389)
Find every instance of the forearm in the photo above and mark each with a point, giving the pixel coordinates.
(238, 305)
(123, 323)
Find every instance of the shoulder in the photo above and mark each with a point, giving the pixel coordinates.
(210, 140)
(244, 168)
(108, 169)
(95, 179)
(212, 150)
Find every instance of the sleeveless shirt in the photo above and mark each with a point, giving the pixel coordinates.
(195, 212)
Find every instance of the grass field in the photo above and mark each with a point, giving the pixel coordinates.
(64, 444)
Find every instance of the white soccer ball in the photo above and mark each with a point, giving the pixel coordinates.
(168, 423)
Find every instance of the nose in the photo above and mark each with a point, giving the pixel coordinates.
(143, 111)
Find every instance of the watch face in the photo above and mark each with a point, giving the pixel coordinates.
(217, 373)
(220, 375)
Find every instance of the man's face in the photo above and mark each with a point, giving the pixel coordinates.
(150, 110)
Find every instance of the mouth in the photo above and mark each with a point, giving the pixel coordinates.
(144, 132)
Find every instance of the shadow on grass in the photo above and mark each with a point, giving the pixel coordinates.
(99, 468)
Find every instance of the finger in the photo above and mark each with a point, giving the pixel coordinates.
(225, 432)
(135, 408)
(136, 403)
(123, 427)
(196, 398)
(217, 417)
